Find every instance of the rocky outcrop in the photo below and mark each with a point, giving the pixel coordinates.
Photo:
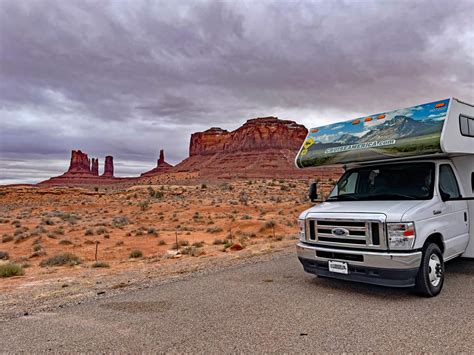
(255, 134)
(95, 167)
(85, 171)
(109, 166)
(263, 147)
(80, 162)
(161, 166)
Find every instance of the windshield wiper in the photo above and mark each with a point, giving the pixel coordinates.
(342, 197)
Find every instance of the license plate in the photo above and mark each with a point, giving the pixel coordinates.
(338, 267)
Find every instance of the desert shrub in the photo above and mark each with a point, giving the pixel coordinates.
(203, 186)
(228, 244)
(4, 255)
(246, 217)
(101, 230)
(136, 254)
(214, 230)
(58, 231)
(65, 242)
(21, 237)
(198, 244)
(139, 232)
(11, 269)
(161, 242)
(270, 224)
(218, 241)
(7, 238)
(181, 243)
(120, 221)
(152, 231)
(100, 264)
(16, 223)
(37, 247)
(193, 251)
(144, 205)
(119, 243)
(61, 259)
(89, 231)
(47, 221)
(226, 186)
(155, 194)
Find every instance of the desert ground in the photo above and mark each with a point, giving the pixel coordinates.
(68, 243)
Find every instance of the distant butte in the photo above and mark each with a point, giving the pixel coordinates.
(263, 147)
(161, 166)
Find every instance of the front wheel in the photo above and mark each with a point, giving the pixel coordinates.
(430, 278)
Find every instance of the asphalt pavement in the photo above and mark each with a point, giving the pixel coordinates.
(265, 306)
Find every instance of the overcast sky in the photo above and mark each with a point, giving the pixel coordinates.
(127, 78)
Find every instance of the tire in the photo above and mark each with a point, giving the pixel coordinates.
(430, 278)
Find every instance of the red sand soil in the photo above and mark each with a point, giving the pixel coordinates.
(37, 223)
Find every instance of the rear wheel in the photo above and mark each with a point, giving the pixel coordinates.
(430, 278)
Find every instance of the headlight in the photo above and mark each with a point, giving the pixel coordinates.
(301, 225)
(401, 235)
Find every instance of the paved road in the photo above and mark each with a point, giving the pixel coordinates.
(270, 306)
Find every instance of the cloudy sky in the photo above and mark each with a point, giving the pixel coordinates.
(127, 78)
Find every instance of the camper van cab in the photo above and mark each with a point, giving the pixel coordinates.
(405, 203)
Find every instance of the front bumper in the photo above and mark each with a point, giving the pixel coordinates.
(379, 268)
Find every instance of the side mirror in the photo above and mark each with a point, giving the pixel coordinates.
(313, 192)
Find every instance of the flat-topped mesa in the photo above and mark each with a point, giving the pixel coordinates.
(255, 135)
(109, 166)
(80, 163)
(208, 142)
(95, 166)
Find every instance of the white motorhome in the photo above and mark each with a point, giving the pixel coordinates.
(405, 204)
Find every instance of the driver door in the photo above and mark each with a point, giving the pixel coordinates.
(455, 213)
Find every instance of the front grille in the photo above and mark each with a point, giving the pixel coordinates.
(346, 233)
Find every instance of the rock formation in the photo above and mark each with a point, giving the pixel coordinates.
(95, 167)
(161, 166)
(109, 166)
(263, 147)
(255, 134)
(85, 171)
(80, 163)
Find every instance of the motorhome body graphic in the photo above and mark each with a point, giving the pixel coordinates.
(399, 133)
(361, 146)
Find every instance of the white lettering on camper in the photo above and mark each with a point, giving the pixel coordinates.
(374, 144)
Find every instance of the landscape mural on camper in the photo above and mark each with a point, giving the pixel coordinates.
(405, 132)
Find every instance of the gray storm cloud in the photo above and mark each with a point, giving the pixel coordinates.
(130, 77)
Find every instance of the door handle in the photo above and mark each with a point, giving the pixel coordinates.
(465, 216)
(435, 212)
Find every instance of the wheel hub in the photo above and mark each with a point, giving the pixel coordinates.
(435, 270)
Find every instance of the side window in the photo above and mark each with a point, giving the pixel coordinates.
(447, 182)
(349, 185)
(466, 125)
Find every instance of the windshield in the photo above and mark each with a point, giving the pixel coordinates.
(406, 181)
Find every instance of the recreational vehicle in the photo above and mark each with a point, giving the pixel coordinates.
(405, 203)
